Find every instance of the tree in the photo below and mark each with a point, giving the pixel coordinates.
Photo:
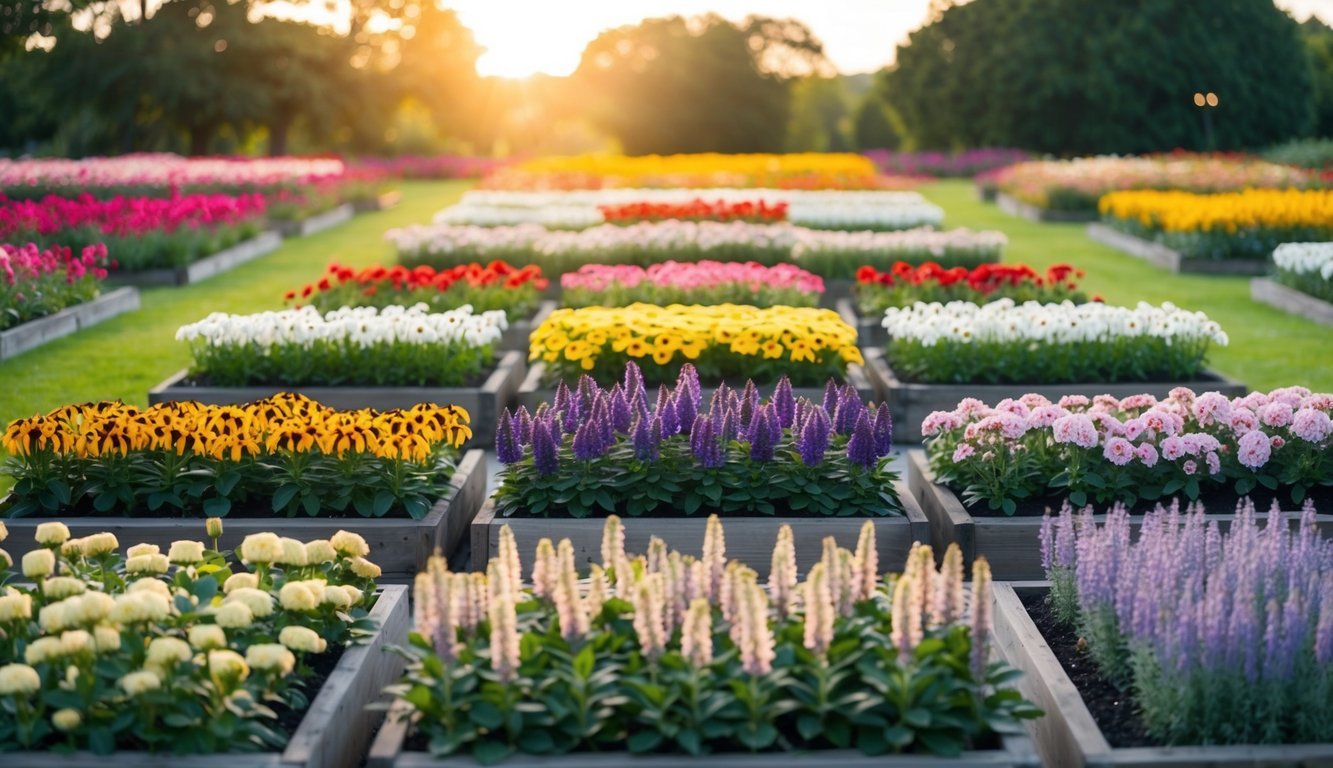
(697, 85)
(873, 126)
(1011, 73)
(819, 112)
(1319, 40)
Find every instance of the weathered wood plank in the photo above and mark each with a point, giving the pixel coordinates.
(381, 202)
(215, 264)
(535, 390)
(35, 333)
(1016, 207)
(870, 332)
(482, 403)
(516, 337)
(911, 403)
(749, 539)
(399, 545)
(1291, 300)
(1166, 258)
(1010, 544)
(314, 224)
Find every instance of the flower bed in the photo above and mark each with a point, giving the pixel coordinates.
(1242, 226)
(1303, 282)
(704, 282)
(36, 282)
(142, 233)
(965, 164)
(161, 175)
(726, 342)
(1075, 186)
(811, 170)
(1246, 641)
(882, 210)
(430, 166)
(750, 671)
(753, 211)
(828, 254)
(173, 653)
(1032, 453)
(905, 284)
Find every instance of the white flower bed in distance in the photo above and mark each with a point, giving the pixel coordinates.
(361, 326)
(1305, 259)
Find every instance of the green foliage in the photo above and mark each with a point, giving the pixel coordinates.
(1010, 73)
(1306, 153)
(874, 126)
(1319, 41)
(819, 116)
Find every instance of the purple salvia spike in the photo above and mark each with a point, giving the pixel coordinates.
(883, 430)
(634, 390)
(861, 445)
(763, 433)
(587, 443)
(727, 427)
(784, 404)
(749, 401)
(813, 440)
(621, 416)
(847, 411)
(720, 398)
(523, 425)
(669, 417)
(687, 407)
(645, 444)
(586, 394)
(689, 381)
(507, 447)
(545, 452)
(704, 443)
(831, 391)
(601, 419)
(562, 398)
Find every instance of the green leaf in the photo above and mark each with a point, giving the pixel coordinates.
(101, 741)
(809, 726)
(384, 501)
(284, 495)
(490, 751)
(917, 717)
(584, 662)
(217, 507)
(645, 741)
(487, 715)
(536, 742)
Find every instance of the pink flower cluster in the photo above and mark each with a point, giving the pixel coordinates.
(1138, 444)
(694, 276)
(166, 170)
(28, 263)
(125, 216)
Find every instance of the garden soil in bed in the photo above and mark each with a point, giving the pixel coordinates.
(1113, 709)
(202, 380)
(1218, 501)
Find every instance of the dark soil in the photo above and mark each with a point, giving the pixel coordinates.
(1113, 709)
(261, 508)
(321, 666)
(1220, 501)
(471, 382)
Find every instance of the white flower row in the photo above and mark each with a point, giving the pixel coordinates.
(362, 326)
(1305, 259)
(1003, 321)
(682, 235)
(579, 209)
(164, 169)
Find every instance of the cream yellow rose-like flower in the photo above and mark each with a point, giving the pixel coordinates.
(349, 544)
(57, 616)
(296, 596)
(270, 657)
(213, 527)
(66, 720)
(150, 584)
(337, 596)
(52, 534)
(94, 607)
(168, 652)
(43, 649)
(353, 593)
(364, 568)
(139, 550)
(319, 551)
(233, 616)
(258, 601)
(107, 639)
(75, 642)
(150, 563)
(240, 581)
(227, 668)
(141, 682)
(186, 552)
(302, 639)
(15, 606)
(293, 553)
(99, 544)
(19, 680)
(261, 548)
(142, 606)
(207, 637)
(60, 587)
(39, 563)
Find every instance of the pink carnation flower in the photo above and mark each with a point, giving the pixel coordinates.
(1118, 451)
(1276, 414)
(963, 452)
(1173, 448)
(1311, 425)
(1076, 428)
(1147, 454)
(1254, 450)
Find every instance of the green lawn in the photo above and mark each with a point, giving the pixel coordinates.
(1268, 349)
(125, 357)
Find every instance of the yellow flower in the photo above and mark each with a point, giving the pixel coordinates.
(364, 568)
(295, 596)
(227, 668)
(349, 544)
(66, 720)
(261, 548)
(233, 616)
(186, 552)
(319, 551)
(207, 637)
(302, 639)
(147, 564)
(39, 563)
(143, 681)
(167, 652)
(15, 606)
(19, 680)
(270, 657)
(213, 527)
(51, 534)
(61, 587)
(139, 550)
(258, 601)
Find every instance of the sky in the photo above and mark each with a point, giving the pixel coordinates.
(524, 37)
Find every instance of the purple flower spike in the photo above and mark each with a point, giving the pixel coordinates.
(764, 433)
(601, 419)
(686, 407)
(813, 440)
(720, 398)
(670, 417)
(545, 451)
(831, 392)
(507, 447)
(562, 399)
(634, 389)
(861, 445)
(848, 411)
(587, 442)
(523, 425)
(727, 426)
(784, 404)
(586, 394)
(883, 427)
(646, 438)
(621, 417)
(689, 381)
(749, 403)
(704, 443)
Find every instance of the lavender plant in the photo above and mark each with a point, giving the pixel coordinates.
(595, 451)
(672, 653)
(1222, 637)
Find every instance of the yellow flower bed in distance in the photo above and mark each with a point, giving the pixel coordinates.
(1230, 212)
(725, 342)
(185, 457)
(810, 170)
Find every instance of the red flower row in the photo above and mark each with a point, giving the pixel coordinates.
(696, 210)
(984, 279)
(400, 278)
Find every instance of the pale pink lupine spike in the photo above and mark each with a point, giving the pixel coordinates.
(570, 610)
(613, 542)
(981, 617)
(696, 638)
(950, 601)
(848, 574)
(757, 649)
(508, 554)
(596, 597)
(678, 598)
(423, 604)
(657, 555)
(782, 572)
(545, 569)
(818, 611)
(867, 558)
(504, 637)
(714, 556)
(648, 611)
(899, 633)
(927, 576)
(478, 599)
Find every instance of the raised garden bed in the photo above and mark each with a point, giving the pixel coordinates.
(1010, 544)
(336, 728)
(535, 390)
(1291, 300)
(911, 403)
(835, 290)
(222, 261)
(1069, 734)
(516, 337)
(35, 333)
(316, 223)
(749, 539)
(381, 202)
(483, 403)
(985, 193)
(1166, 258)
(400, 545)
(1016, 207)
(870, 331)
